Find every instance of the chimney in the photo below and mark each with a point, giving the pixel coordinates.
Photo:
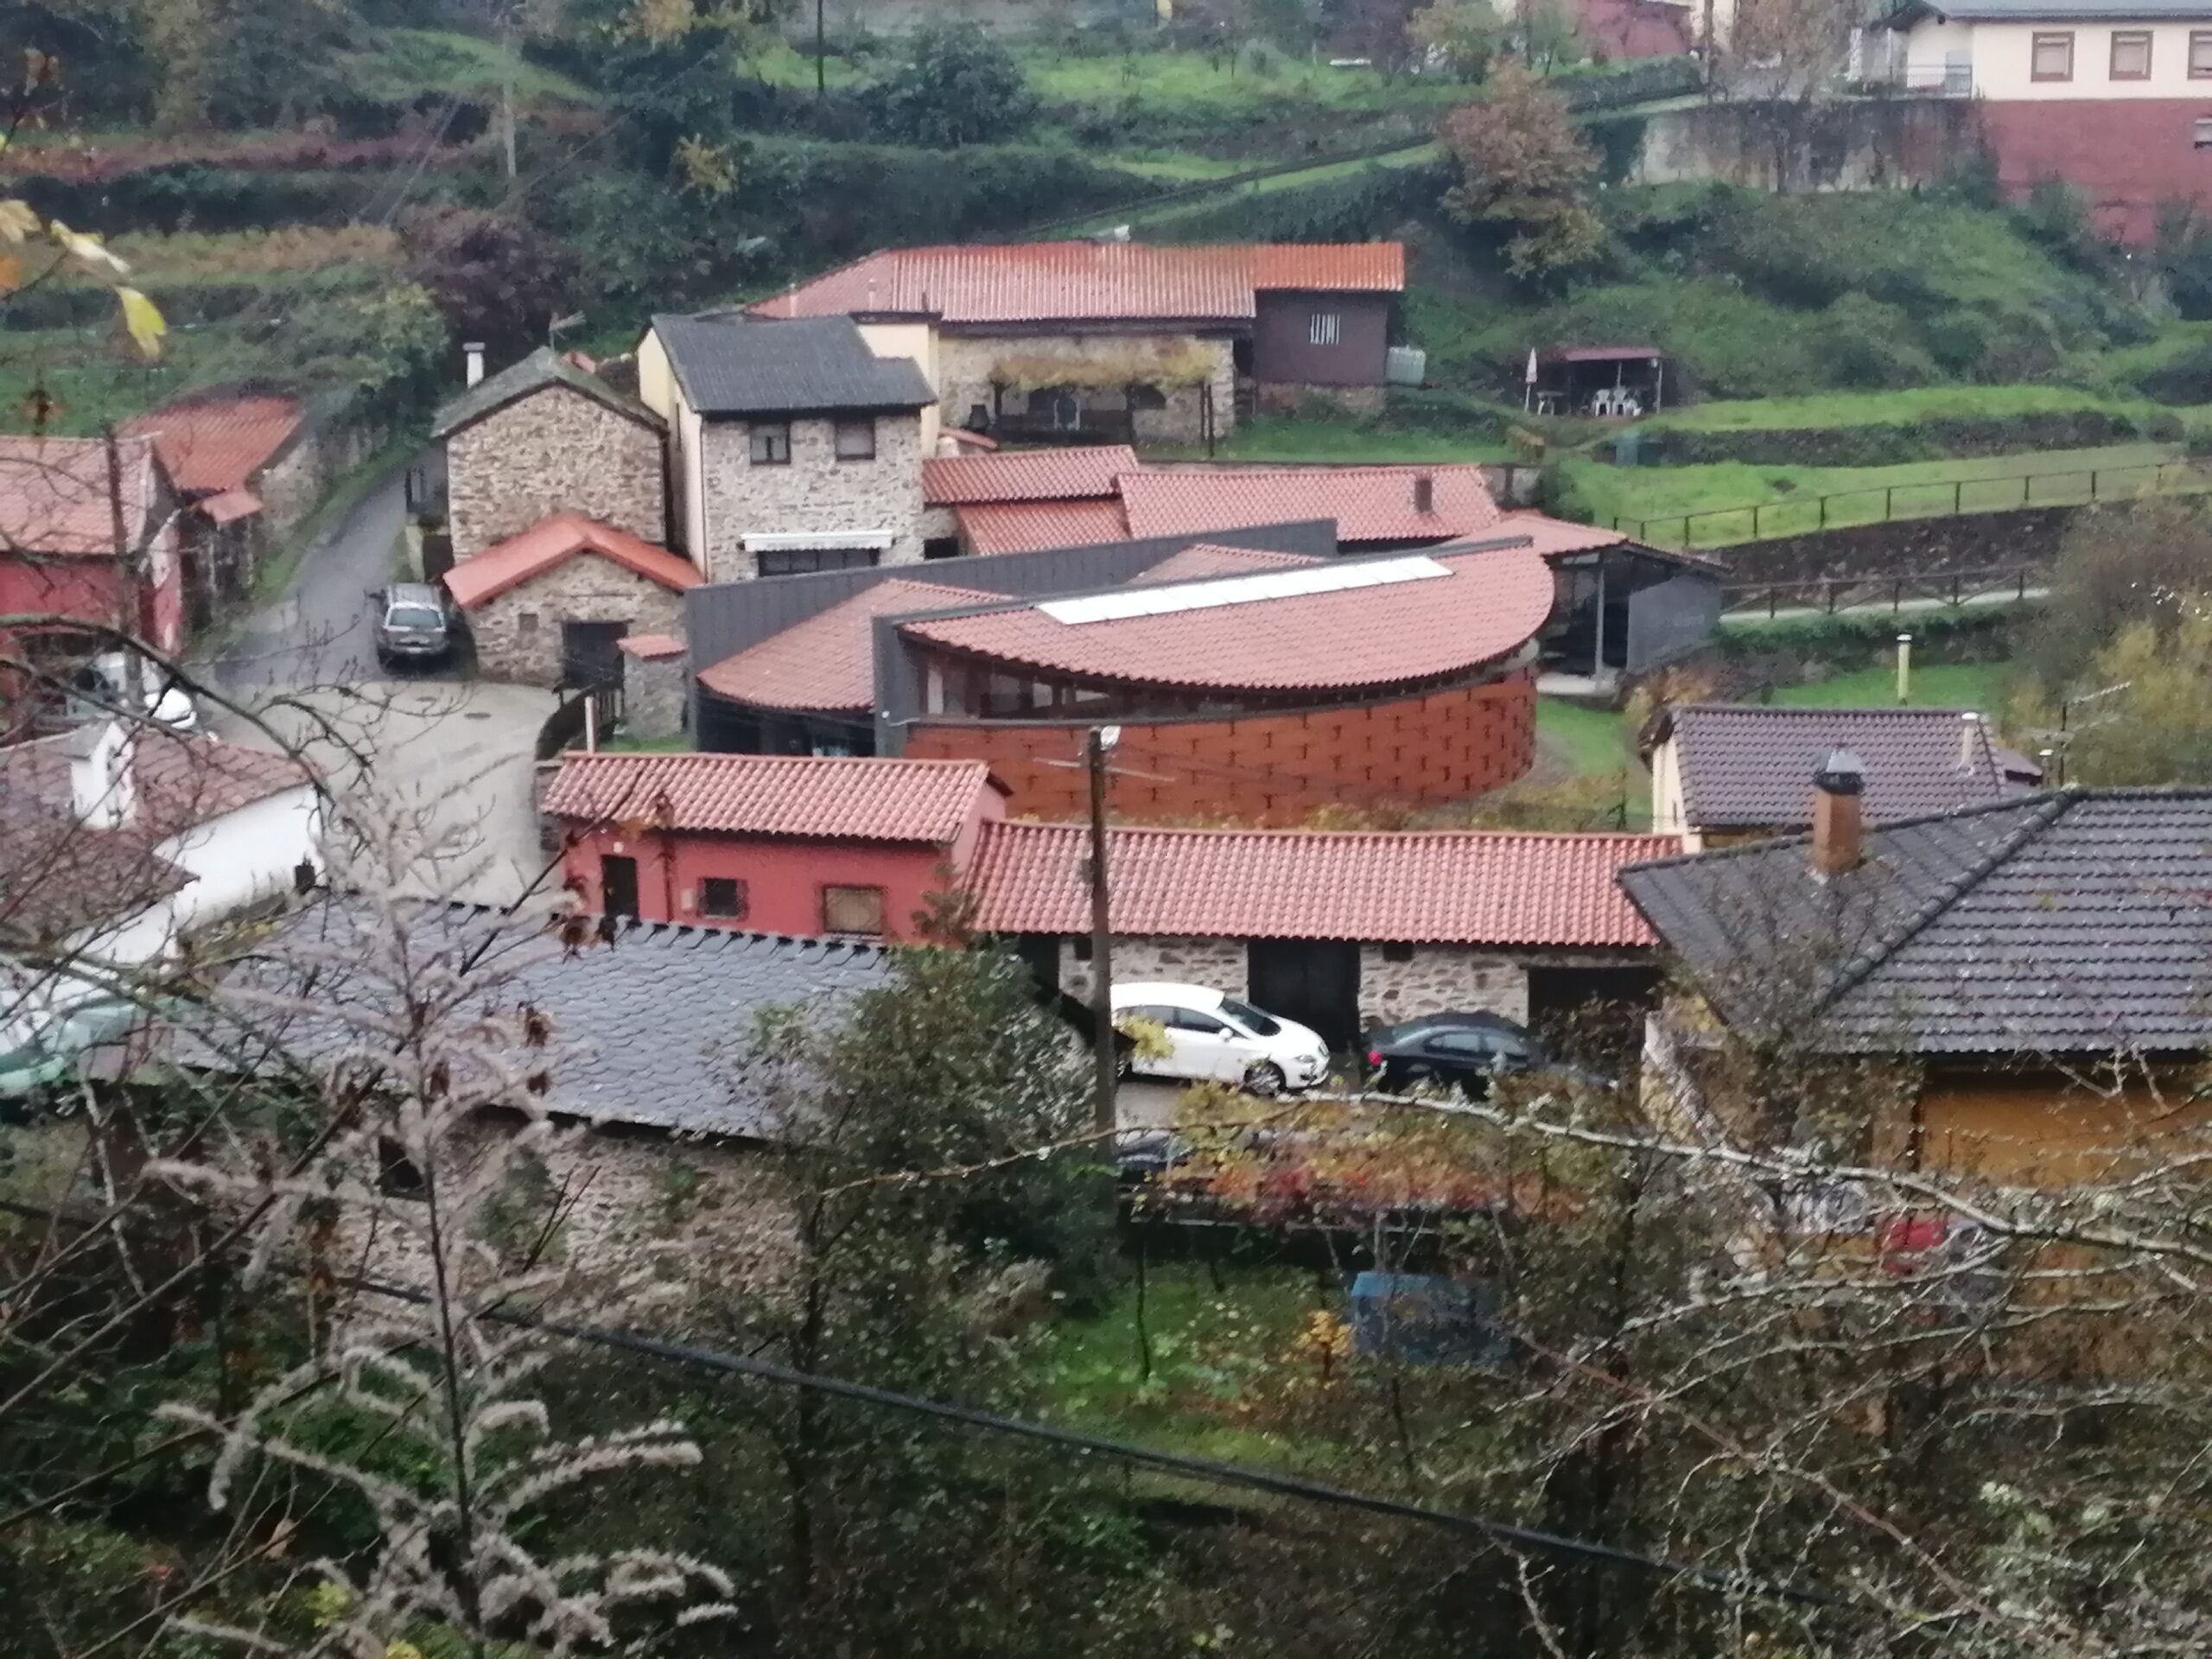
(1836, 825)
(103, 787)
(1424, 493)
(1904, 669)
(473, 352)
(1969, 740)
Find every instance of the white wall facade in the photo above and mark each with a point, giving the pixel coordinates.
(2001, 57)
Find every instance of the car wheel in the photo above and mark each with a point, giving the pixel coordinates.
(1265, 1080)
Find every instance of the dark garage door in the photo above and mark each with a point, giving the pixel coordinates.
(1314, 982)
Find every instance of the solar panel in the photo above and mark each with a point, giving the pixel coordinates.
(1216, 591)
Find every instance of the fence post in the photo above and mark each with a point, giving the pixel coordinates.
(1828, 583)
(2092, 484)
(1755, 522)
(1958, 498)
(1824, 512)
(2023, 574)
(1773, 602)
(1955, 590)
(1897, 596)
(1889, 503)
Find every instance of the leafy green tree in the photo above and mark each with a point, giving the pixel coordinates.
(491, 276)
(2143, 562)
(1524, 168)
(957, 86)
(2158, 730)
(1458, 37)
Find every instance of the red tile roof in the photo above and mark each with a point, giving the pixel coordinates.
(1426, 888)
(1486, 607)
(554, 541)
(1550, 535)
(829, 660)
(817, 799)
(1048, 282)
(1196, 564)
(214, 443)
(1027, 526)
(648, 647)
(1026, 475)
(1370, 504)
(228, 506)
(54, 495)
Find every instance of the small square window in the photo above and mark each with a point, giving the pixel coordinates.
(2051, 57)
(723, 896)
(526, 622)
(2131, 54)
(856, 439)
(2200, 55)
(2202, 133)
(1327, 329)
(1397, 953)
(853, 910)
(772, 443)
(1082, 947)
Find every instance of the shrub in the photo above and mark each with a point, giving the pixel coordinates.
(957, 86)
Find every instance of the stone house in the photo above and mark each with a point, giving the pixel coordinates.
(541, 437)
(792, 448)
(551, 606)
(1342, 932)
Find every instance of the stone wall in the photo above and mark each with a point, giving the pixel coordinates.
(815, 493)
(966, 364)
(1861, 144)
(1438, 977)
(656, 694)
(1289, 398)
(519, 633)
(1218, 963)
(554, 451)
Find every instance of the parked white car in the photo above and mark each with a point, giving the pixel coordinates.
(1216, 1038)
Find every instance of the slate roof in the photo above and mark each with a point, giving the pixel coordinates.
(647, 1023)
(731, 364)
(1076, 282)
(2042, 11)
(857, 797)
(542, 368)
(2061, 923)
(1484, 607)
(829, 660)
(1026, 475)
(1031, 526)
(1370, 504)
(213, 442)
(1751, 766)
(54, 497)
(1430, 887)
(554, 541)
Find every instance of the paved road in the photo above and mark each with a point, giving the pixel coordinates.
(317, 632)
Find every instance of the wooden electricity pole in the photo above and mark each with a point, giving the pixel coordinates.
(1102, 939)
(129, 600)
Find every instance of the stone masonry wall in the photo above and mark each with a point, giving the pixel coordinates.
(554, 451)
(965, 365)
(519, 633)
(655, 694)
(1439, 977)
(816, 492)
(1218, 963)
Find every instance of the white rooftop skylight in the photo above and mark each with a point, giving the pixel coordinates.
(1240, 590)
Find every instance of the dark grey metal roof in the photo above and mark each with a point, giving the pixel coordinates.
(2067, 922)
(731, 364)
(542, 368)
(1751, 766)
(647, 1024)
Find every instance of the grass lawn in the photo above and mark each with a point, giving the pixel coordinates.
(407, 62)
(1590, 743)
(624, 743)
(1883, 408)
(1935, 685)
(1173, 166)
(1288, 437)
(1195, 81)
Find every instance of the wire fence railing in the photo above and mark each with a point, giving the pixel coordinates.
(1883, 503)
(1897, 592)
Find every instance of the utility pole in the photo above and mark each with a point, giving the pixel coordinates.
(133, 688)
(821, 54)
(1095, 747)
(507, 90)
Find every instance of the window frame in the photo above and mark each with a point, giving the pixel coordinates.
(740, 900)
(767, 436)
(810, 561)
(1325, 329)
(2036, 42)
(2200, 133)
(839, 428)
(832, 892)
(2132, 36)
(2200, 40)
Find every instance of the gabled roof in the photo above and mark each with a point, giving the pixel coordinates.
(1751, 766)
(1203, 560)
(828, 662)
(1370, 504)
(1026, 475)
(1072, 282)
(730, 364)
(1032, 526)
(1409, 619)
(2069, 922)
(213, 443)
(54, 497)
(809, 797)
(1441, 887)
(554, 541)
(542, 368)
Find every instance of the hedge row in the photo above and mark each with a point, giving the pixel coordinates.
(1852, 641)
(1893, 444)
(201, 197)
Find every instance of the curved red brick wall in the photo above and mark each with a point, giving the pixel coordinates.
(1272, 769)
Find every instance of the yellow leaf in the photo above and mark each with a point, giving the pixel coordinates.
(143, 318)
(85, 249)
(11, 273)
(16, 221)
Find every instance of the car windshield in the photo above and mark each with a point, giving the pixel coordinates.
(414, 616)
(1251, 1019)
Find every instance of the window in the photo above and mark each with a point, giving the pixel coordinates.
(2200, 55)
(941, 547)
(856, 439)
(526, 622)
(1327, 328)
(1469, 1045)
(2131, 54)
(1082, 947)
(853, 910)
(2051, 57)
(1144, 397)
(1191, 1020)
(1397, 953)
(772, 440)
(722, 895)
(805, 561)
(2201, 133)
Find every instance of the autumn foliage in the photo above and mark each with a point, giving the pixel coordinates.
(1524, 168)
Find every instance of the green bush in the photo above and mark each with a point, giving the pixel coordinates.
(1860, 640)
(1891, 444)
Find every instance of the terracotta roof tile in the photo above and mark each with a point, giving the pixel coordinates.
(1370, 504)
(1440, 887)
(1026, 475)
(216, 443)
(821, 799)
(1031, 526)
(53, 495)
(650, 647)
(1549, 535)
(1197, 563)
(829, 660)
(1040, 281)
(228, 506)
(1484, 607)
(554, 541)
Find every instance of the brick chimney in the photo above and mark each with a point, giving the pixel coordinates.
(103, 783)
(1424, 493)
(1836, 821)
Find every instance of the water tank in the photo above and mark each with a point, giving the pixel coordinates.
(1406, 365)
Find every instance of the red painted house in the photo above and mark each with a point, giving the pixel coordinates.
(793, 844)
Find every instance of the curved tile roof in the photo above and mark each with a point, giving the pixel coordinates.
(828, 662)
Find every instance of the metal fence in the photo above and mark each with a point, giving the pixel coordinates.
(1951, 588)
(564, 728)
(1883, 503)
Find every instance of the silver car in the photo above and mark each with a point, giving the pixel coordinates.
(412, 623)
